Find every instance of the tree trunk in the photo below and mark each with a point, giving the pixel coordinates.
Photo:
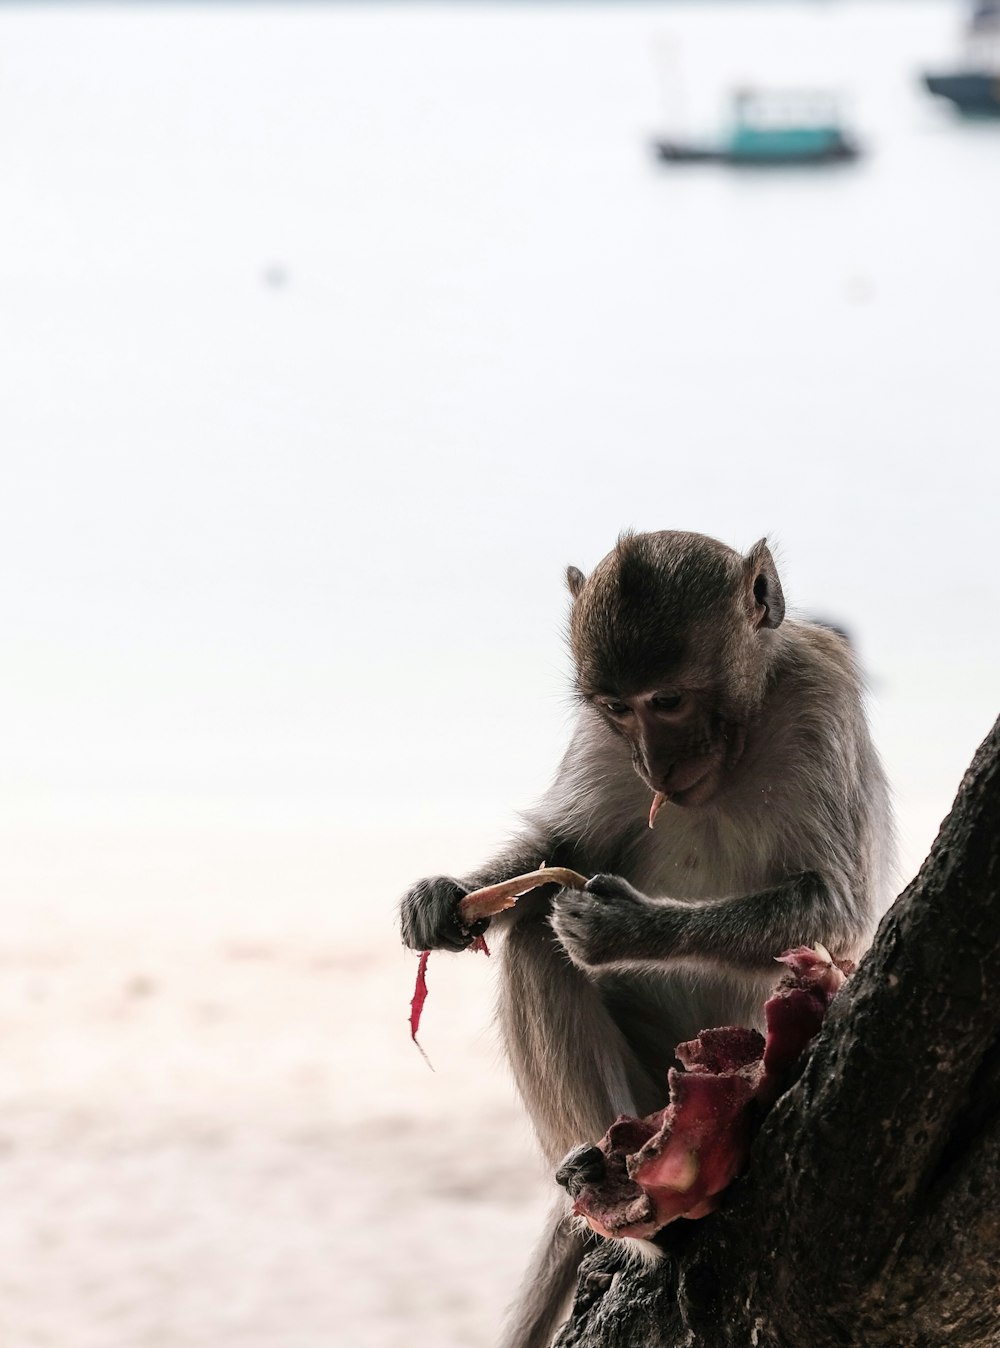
(869, 1213)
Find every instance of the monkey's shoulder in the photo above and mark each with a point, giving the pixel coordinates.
(814, 668)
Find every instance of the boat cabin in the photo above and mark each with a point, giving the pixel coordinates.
(783, 124)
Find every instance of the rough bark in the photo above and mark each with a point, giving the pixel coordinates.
(869, 1214)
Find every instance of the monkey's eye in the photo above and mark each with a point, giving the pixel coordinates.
(667, 701)
(614, 708)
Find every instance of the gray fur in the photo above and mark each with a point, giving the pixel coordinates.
(678, 928)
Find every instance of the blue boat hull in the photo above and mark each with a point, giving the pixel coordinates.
(975, 93)
(833, 152)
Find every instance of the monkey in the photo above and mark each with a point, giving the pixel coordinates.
(722, 791)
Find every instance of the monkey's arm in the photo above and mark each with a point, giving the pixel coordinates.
(429, 912)
(551, 835)
(609, 922)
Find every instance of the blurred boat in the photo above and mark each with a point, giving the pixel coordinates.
(974, 85)
(771, 127)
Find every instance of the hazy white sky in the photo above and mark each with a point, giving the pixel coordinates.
(330, 335)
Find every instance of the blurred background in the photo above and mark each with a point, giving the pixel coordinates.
(329, 335)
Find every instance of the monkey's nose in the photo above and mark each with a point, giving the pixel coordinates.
(582, 1166)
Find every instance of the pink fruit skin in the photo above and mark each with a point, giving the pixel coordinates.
(676, 1162)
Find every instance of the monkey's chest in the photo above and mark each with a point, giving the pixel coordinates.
(693, 856)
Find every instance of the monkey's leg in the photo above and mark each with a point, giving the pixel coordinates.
(544, 1294)
(574, 1067)
(576, 1071)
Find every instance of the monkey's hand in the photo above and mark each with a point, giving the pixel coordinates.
(429, 918)
(606, 922)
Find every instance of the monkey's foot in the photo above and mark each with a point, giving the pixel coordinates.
(597, 1179)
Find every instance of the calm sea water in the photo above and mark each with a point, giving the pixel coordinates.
(330, 334)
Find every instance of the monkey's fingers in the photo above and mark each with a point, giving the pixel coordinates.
(495, 898)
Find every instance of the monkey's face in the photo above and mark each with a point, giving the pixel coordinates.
(681, 746)
(670, 636)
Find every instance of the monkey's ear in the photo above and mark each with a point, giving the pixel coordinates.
(575, 580)
(767, 603)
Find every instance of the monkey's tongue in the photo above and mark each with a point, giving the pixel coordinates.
(659, 799)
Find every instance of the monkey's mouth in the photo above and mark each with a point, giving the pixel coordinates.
(689, 784)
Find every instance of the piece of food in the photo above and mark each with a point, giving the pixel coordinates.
(483, 903)
(659, 799)
(795, 1011)
(676, 1162)
(495, 898)
(419, 997)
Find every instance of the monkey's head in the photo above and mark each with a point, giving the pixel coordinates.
(671, 635)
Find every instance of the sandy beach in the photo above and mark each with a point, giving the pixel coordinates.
(206, 1147)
